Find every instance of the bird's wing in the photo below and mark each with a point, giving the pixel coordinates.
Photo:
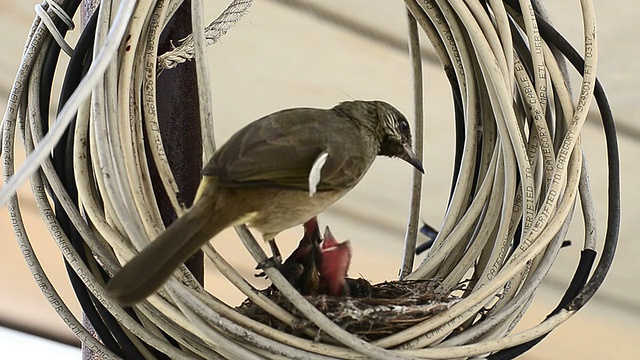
(281, 149)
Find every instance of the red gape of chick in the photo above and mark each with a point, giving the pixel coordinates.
(317, 266)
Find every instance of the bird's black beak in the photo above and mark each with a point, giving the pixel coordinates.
(411, 157)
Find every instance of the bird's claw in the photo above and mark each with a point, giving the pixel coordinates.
(274, 262)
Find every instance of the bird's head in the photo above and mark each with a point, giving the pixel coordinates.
(390, 127)
(396, 141)
(334, 264)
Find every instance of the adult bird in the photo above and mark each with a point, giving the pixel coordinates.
(273, 174)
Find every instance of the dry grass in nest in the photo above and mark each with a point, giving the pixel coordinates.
(393, 307)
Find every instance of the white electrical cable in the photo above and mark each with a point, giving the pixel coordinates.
(411, 236)
(205, 100)
(132, 145)
(66, 114)
(522, 162)
(51, 27)
(149, 109)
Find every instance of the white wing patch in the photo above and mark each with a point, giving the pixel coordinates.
(314, 174)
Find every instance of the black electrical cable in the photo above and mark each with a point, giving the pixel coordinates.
(46, 81)
(61, 158)
(105, 325)
(581, 290)
(431, 233)
(102, 321)
(460, 130)
(612, 231)
(587, 258)
(551, 36)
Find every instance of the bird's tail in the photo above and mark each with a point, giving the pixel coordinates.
(149, 269)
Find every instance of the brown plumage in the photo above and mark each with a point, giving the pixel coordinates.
(261, 177)
(301, 267)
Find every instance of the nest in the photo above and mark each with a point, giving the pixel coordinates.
(392, 306)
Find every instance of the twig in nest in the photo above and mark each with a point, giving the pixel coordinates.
(392, 307)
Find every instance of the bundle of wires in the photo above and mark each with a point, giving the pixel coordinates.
(518, 134)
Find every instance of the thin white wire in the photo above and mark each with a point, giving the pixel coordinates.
(535, 45)
(66, 114)
(61, 14)
(46, 19)
(18, 88)
(205, 99)
(504, 32)
(411, 235)
(130, 132)
(456, 49)
(150, 109)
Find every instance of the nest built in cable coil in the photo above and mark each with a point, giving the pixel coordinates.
(518, 131)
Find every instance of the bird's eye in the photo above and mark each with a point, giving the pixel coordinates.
(403, 127)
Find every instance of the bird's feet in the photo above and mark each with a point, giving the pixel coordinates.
(274, 261)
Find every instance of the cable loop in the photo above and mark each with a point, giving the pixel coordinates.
(61, 14)
(48, 22)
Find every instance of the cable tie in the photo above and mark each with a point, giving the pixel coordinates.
(46, 19)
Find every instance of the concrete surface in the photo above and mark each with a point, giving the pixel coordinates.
(280, 57)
